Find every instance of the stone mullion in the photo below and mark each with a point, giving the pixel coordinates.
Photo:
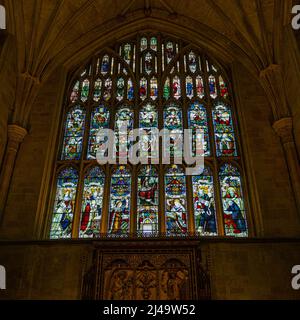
(78, 201)
(133, 204)
(189, 189)
(106, 200)
(161, 167)
(215, 162)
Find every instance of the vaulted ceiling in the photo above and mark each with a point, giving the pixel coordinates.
(51, 32)
(54, 33)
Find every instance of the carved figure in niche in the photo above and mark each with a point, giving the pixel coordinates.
(120, 285)
(174, 284)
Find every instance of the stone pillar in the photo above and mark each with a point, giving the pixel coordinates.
(284, 129)
(16, 135)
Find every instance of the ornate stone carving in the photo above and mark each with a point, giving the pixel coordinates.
(284, 129)
(142, 274)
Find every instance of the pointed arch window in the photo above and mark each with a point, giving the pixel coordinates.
(149, 82)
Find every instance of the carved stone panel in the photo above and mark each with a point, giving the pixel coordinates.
(146, 275)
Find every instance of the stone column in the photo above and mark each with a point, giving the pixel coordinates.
(16, 135)
(284, 129)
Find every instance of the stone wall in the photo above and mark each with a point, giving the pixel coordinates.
(238, 269)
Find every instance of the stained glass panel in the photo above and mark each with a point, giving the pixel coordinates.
(75, 92)
(200, 87)
(105, 65)
(143, 88)
(224, 131)
(197, 120)
(148, 119)
(192, 63)
(176, 87)
(232, 199)
(153, 88)
(85, 90)
(223, 88)
(167, 89)
(212, 86)
(120, 88)
(153, 43)
(64, 205)
(127, 53)
(170, 51)
(147, 219)
(143, 44)
(120, 192)
(123, 123)
(97, 90)
(92, 203)
(130, 90)
(107, 89)
(74, 130)
(99, 120)
(204, 204)
(175, 197)
(173, 122)
(189, 87)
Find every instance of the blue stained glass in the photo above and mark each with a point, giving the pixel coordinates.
(105, 65)
(233, 204)
(204, 204)
(64, 205)
(92, 203)
(224, 131)
(73, 135)
(120, 194)
(130, 90)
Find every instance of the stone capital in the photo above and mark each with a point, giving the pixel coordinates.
(284, 129)
(16, 133)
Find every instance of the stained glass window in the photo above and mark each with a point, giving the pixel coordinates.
(99, 120)
(224, 131)
(173, 122)
(147, 204)
(233, 203)
(197, 120)
(91, 215)
(175, 198)
(73, 135)
(149, 82)
(148, 120)
(123, 124)
(120, 194)
(64, 205)
(204, 204)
